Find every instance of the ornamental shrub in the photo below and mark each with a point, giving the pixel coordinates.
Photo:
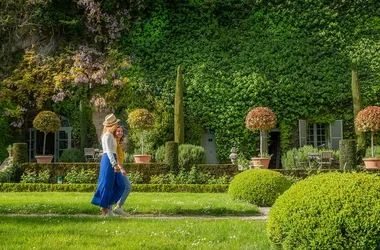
(328, 211)
(20, 153)
(368, 119)
(72, 155)
(258, 186)
(171, 155)
(188, 155)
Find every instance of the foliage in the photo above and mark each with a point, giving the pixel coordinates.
(328, 211)
(245, 57)
(72, 155)
(81, 176)
(47, 122)
(258, 186)
(189, 177)
(376, 152)
(260, 118)
(298, 157)
(42, 177)
(12, 173)
(140, 119)
(20, 153)
(135, 177)
(188, 155)
(179, 122)
(171, 155)
(368, 119)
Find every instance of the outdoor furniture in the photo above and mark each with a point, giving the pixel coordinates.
(98, 154)
(326, 159)
(89, 154)
(298, 162)
(313, 159)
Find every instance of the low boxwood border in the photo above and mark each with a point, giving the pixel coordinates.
(170, 188)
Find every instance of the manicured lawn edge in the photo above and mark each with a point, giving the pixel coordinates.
(175, 188)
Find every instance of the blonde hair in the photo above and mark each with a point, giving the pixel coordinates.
(111, 129)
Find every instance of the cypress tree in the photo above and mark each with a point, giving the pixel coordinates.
(179, 121)
(357, 105)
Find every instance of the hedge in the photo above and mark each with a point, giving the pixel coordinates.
(170, 188)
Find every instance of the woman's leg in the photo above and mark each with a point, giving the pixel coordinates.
(127, 191)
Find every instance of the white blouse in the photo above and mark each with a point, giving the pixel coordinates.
(109, 146)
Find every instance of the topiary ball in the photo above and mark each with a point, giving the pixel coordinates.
(328, 211)
(258, 186)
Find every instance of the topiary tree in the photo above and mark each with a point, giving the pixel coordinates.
(141, 120)
(262, 119)
(368, 119)
(258, 186)
(47, 122)
(328, 211)
(179, 122)
(171, 155)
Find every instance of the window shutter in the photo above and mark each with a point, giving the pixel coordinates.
(336, 134)
(302, 132)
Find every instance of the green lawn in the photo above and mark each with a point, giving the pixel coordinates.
(72, 232)
(137, 203)
(69, 221)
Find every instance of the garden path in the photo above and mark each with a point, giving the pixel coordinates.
(263, 216)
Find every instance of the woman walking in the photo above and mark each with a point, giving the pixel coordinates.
(120, 159)
(110, 183)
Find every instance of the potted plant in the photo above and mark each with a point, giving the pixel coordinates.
(46, 122)
(368, 119)
(262, 119)
(141, 121)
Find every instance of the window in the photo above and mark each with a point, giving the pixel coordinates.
(316, 135)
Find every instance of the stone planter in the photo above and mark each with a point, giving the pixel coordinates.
(261, 162)
(142, 158)
(371, 162)
(44, 158)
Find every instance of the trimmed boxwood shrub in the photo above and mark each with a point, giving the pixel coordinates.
(171, 155)
(72, 155)
(328, 211)
(258, 186)
(40, 187)
(20, 153)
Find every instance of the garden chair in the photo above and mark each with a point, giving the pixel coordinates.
(313, 158)
(326, 159)
(89, 154)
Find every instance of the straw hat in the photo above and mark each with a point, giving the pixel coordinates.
(110, 120)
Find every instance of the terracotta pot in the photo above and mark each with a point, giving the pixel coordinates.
(142, 158)
(44, 158)
(261, 162)
(371, 162)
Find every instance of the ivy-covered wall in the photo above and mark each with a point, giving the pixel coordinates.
(291, 56)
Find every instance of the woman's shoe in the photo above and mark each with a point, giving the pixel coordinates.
(120, 211)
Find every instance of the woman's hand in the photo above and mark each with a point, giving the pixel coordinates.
(123, 172)
(117, 167)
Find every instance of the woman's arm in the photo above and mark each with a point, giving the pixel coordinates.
(108, 140)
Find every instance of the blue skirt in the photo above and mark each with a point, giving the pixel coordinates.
(110, 184)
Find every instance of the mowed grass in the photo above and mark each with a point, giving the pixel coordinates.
(69, 221)
(217, 204)
(89, 232)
